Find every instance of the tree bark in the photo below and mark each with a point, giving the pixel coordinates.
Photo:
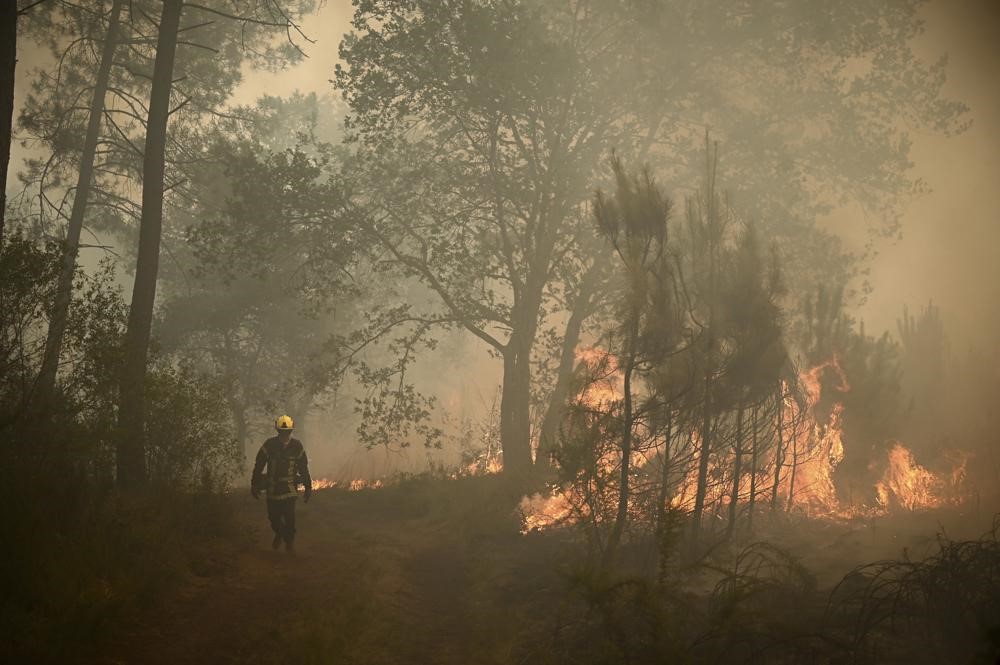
(664, 494)
(515, 402)
(64, 289)
(779, 451)
(705, 436)
(795, 464)
(8, 65)
(567, 362)
(734, 495)
(131, 419)
(754, 460)
(621, 517)
(714, 240)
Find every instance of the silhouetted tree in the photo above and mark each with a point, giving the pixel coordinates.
(634, 222)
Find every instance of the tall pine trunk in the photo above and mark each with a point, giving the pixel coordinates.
(132, 403)
(714, 240)
(795, 465)
(779, 451)
(734, 495)
(621, 516)
(8, 63)
(704, 453)
(663, 495)
(64, 290)
(754, 462)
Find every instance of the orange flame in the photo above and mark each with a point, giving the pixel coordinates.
(355, 485)
(815, 448)
(907, 484)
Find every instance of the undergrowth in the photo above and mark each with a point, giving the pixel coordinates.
(80, 561)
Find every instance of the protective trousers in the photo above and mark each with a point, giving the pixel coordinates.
(281, 513)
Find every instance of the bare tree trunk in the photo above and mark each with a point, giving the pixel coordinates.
(564, 375)
(664, 493)
(663, 498)
(752, 504)
(131, 418)
(779, 451)
(239, 415)
(621, 516)
(515, 402)
(734, 495)
(795, 463)
(8, 65)
(64, 290)
(705, 436)
(714, 233)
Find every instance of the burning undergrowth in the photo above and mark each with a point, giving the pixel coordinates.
(783, 456)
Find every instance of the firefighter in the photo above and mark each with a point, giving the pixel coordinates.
(287, 466)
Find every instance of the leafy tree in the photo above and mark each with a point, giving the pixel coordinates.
(151, 123)
(483, 145)
(482, 122)
(265, 300)
(57, 322)
(28, 275)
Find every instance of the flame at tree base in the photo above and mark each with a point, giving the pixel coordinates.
(812, 453)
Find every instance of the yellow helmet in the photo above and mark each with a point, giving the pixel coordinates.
(284, 422)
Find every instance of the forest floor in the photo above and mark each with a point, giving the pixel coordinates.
(376, 578)
(388, 576)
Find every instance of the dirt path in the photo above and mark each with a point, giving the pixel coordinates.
(365, 586)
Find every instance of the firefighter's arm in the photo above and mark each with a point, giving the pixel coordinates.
(305, 477)
(258, 470)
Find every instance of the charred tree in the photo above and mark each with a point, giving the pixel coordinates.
(131, 417)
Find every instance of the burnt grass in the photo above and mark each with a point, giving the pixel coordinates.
(433, 570)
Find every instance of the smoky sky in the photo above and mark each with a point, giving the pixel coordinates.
(948, 251)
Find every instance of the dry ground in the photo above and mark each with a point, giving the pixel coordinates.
(374, 579)
(402, 576)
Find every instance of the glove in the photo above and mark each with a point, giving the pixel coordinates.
(254, 492)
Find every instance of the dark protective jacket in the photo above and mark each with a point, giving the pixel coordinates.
(287, 466)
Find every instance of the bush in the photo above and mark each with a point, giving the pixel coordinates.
(78, 556)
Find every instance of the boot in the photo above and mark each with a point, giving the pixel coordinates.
(289, 545)
(276, 543)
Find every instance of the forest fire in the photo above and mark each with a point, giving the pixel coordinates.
(809, 451)
(607, 384)
(355, 485)
(907, 484)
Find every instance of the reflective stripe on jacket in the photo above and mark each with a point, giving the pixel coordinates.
(287, 466)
